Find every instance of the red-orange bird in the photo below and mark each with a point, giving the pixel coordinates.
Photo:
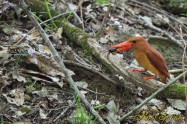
(147, 57)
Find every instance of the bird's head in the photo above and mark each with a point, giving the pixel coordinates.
(136, 43)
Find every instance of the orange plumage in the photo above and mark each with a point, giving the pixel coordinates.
(147, 57)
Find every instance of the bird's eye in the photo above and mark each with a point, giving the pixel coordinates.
(134, 41)
(112, 50)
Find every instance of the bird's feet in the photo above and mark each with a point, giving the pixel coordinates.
(149, 77)
(138, 70)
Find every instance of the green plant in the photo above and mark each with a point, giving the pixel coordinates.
(33, 86)
(184, 14)
(1, 120)
(106, 2)
(41, 21)
(21, 57)
(49, 14)
(87, 54)
(81, 115)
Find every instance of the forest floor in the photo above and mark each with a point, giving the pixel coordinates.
(34, 89)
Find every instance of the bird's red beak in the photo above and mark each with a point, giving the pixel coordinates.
(121, 47)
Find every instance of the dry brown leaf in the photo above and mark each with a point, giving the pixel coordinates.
(46, 64)
(18, 77)
(58, 34)
(44, 49)
(17, 96)
(42, 77)
(4, 54)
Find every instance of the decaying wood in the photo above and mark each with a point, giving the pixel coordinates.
(133, 78)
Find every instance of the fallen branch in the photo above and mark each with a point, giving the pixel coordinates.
(152, 96)
(60, 61)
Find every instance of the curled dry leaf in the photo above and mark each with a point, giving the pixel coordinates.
(82, 84)
(58, 34)
(177, 103)
(46, 64)
(147, 19)
(103, 40)
(44, 49)
(171, 111)
(16, 96)
(4, 55)
(139, 91)
(88, 9)
(42, 114)
(18, 77)
(7, 28)
(72, 6)
(42, 77)
(34, 36)
(83, 92)
(3, 79)
(52, 97)
(112, 106)
(113, 118)
(158, 103)
(19, 113)
(42, 92)
(174, 116)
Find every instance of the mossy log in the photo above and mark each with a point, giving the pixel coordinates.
(113, 62)
(175, 6)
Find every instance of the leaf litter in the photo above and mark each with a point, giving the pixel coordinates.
(35, 81)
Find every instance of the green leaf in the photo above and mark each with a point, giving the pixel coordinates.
(105, 2)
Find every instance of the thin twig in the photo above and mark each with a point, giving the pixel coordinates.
(65, 110)
(62, 14)
(24, 37)
(81, 1)
(60, 62)
(176, 71)
(80, 7)
(152, 96)
(90, 90)
(104, 21)
(75, 14)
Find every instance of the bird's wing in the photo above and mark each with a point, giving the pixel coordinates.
(157, 60)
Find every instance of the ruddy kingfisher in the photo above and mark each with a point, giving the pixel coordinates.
(147, 57)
